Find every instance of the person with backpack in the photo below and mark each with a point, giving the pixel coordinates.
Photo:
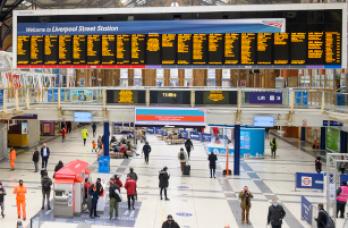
(2, 199)
(46, 184)
(35, 159)
(273, 145)
(341, 199)
(115, 198)
(276, 214)
(146, 151)
(188, 147)
(212, 164)
(182, 159)
(324, 220)
(164, 182)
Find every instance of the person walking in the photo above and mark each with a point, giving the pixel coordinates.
(20, 192)
(273, 145)
(35, 159)
(147, 151)
(212, 164)
(318, 165)
(182, 159)
(276, 214)
(2, 199)
(131, 187)
(170, 223)
(245, 197)
(94, 201)
(100, 143)
(46, 184)
(45, 155)
(84, 135)
(86, 198)
(63, 132)
(164, 182)
(341, 199)
(94, 129)
(115, 198)
(189, 147)
(324, 220)
(12, 158)
(134, 176)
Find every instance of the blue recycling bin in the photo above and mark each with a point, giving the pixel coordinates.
(104, 164)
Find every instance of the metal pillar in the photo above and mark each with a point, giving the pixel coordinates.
(236, 150)
(106, 137)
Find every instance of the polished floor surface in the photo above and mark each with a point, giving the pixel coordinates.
(196, 201)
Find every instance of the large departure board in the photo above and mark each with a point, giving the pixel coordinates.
(248, 49)
(138, 48)
(240, 50)
(215, 49)
(93, 49)
(65, 49)
(199, 49)
(123, 49)
(232, 48)
(264, 48)
(281, 48)
(153, 49)
(79, 49)
(36, 50)
(184, 46)
(51, 52)
(168, 49)
(298, 48)
(23, 50)
(332, 48)
(108, 47)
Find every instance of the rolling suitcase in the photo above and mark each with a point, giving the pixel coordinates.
(187, 170)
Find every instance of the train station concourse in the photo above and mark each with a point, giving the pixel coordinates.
(173, 113)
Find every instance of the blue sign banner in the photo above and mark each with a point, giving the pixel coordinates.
(195, 136)
(152, 26)
(264, 97)
(332, 123)
(343, 178)
(183, 134)
(301, 98)
(310, 180)
(206, 137)
(306, 210)
(1, 97)
(150, 130)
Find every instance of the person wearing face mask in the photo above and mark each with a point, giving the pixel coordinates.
(276, 214)
(20, 192)
(170, 223)
(2, 199)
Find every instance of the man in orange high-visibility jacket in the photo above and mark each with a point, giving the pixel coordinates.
(12, 157)
(20, 192)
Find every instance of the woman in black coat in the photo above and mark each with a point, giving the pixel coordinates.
(212, 164)
(163, 182)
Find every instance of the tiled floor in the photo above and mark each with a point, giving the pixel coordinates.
(195, 202)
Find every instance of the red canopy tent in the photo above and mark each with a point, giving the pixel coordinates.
(74, 171)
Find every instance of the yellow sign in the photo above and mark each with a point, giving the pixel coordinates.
(216, 96)
(125, 97)
(172, 95)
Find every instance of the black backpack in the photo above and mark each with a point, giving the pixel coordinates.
(46, 184)
(329, 222)
(182, 156)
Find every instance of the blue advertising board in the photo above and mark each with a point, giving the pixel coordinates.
(301, 98)
(306, 210)
(1, 97)
(252, 144)
(309, 180)
(264, 97)
(195, 136)
(153, 26)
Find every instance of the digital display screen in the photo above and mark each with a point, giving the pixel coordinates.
(65, 49)
(263, 121)
(216, 97)
(79, 49)
(36, 50)
(170, 97)
(83, 117)
(93, 49)
(126, 97)
(239, 49)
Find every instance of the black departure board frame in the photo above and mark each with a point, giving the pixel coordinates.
(236, 50)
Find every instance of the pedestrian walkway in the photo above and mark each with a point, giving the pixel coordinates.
(195, 202)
